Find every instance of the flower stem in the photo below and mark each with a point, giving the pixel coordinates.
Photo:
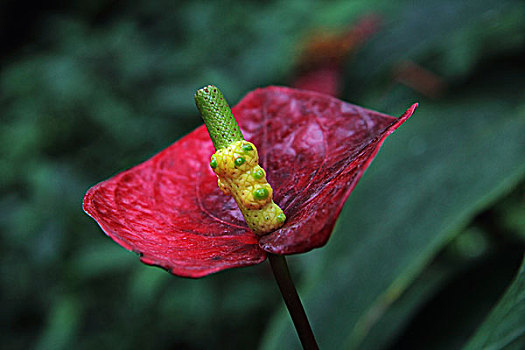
(292, 301)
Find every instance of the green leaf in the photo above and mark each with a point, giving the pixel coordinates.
(398, 315)
(451, 161)
(504, 328)
(451, 297)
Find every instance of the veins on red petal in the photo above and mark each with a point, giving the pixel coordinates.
(201, 206)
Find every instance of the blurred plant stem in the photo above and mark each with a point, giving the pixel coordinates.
(292, 301)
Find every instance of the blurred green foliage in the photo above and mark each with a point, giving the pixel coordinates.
(505, 326)
(424, 248)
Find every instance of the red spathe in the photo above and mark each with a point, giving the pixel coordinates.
(314, 149)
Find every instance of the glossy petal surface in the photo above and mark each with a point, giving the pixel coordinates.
(314, 148)
(170, 210)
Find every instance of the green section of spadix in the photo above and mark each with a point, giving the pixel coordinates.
(218, 117)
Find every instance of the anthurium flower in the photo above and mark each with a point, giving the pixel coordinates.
(314, 149)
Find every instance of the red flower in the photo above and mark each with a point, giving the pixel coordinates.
(314, 149)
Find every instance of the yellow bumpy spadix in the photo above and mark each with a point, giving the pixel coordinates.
(239, 173)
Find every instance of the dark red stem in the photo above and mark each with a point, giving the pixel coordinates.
(292, 301)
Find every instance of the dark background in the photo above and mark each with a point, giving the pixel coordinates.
(424, 248)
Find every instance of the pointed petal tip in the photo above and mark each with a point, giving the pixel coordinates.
(410, 111)
(404, 117)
